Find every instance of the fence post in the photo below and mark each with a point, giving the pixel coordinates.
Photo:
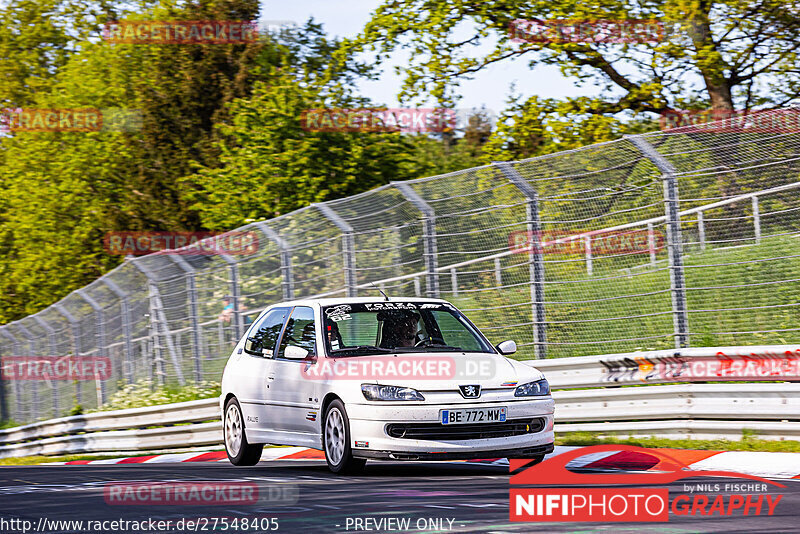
(76, 342)
(287, 280)
(536, 264)
(677, 276)
(428, 236)
(51, 340)
(127, 333)
(651, 244)
(159, 317)
(454, 281)
(348, 247)
(587, 250)
(701, 230)
(31, 352)
(235, 295)
(194, 313)
(101, 334)
(14, 348)
(756, 220)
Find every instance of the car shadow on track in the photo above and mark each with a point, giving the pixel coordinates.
(389, 469)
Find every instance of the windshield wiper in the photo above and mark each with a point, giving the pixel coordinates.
(362, 348)
(424, 348)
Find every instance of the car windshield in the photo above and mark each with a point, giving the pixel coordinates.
(391, 327)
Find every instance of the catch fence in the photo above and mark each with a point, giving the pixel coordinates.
(689, 237)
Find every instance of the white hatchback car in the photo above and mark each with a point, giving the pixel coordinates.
(400, 379)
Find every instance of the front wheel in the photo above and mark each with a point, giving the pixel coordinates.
(336, 441)
(239, 451)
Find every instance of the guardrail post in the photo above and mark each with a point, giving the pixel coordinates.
(348, 247)
(17, 389)
(126, 326)
(76, 342)
(587, 248)
(651, 244)
(101, 337)
(4, 417)
(236, 320)
(756, 220)
(194, 313)
(31, 353)
(675, 244)
(51, 340)
(287, 280)
(428, 236)
(536, 264)
(159, 317)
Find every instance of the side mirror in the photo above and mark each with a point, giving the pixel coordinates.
(507, 347)
(293, 352)
(253, 346)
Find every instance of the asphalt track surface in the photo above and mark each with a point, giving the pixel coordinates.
(474, 497)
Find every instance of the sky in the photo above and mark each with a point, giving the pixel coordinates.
(490, 88)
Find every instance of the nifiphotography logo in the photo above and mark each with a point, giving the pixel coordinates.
(610, 497)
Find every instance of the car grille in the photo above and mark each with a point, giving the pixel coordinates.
(438, 431)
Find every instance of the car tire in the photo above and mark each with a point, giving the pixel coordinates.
(239, 451)
(336, 441)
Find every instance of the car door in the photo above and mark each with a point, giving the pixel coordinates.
(255, 362)
(293, 397)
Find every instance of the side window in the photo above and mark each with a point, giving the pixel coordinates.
(300, 331)
(263, 336)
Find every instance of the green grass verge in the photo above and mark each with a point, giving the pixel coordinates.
(36, 460)
(747, 443)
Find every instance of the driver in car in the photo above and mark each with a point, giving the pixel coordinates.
(400, 330)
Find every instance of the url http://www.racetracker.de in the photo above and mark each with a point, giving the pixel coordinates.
(195, 524)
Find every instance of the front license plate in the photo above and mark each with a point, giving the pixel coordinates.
(472, 415)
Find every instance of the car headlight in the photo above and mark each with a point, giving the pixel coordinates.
(377, 392)
(533, 389)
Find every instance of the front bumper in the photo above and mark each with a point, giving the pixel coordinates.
(526, 452)
(369, 439)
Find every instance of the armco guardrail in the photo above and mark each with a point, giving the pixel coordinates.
(691, 410)
(703, 364)
(120, 430)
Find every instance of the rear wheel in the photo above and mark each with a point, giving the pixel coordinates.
(336, 441)
(239, 451)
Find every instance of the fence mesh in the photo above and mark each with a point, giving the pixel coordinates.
(569, 254)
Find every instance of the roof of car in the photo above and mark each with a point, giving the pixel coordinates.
(356, 300)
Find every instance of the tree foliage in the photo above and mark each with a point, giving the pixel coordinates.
(719, 52)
